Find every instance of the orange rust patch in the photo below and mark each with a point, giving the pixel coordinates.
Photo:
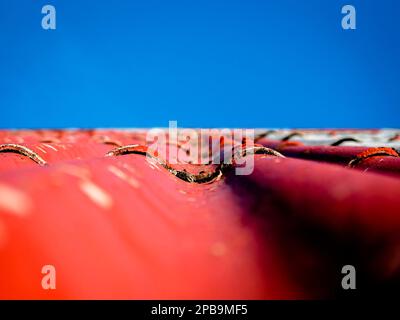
(373, 152)
(285, 144)
(25, 151)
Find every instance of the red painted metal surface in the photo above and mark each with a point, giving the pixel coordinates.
(122, 227)
(379, 159)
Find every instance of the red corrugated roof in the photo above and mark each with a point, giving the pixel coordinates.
(119, 226)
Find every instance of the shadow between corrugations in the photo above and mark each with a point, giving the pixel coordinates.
(313, 254)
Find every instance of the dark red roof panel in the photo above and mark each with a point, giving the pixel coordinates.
(120, 226)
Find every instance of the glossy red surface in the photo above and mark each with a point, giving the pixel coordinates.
(122, 227)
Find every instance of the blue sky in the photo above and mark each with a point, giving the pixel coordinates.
(210, 63)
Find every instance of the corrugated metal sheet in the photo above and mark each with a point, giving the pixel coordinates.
(118, 226)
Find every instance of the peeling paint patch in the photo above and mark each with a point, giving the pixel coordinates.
(14, 201)
(96, 194)
(22, 150)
